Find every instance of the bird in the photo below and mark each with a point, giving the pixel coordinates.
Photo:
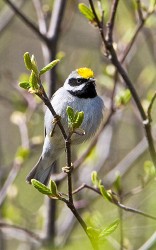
(78, 92)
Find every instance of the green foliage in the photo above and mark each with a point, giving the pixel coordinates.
(27, 61)
(51, 191)
(53, 188)
(94, 178)
(41, 187)
(149, 169)
(87, 12)
(22, 154)
(24, 85)
(34, 65)
(106, 194)
(117, 183)
(33, 83)
(109, 229)
(75, 119)
(49, 66)
(100, 234)
(123, 97)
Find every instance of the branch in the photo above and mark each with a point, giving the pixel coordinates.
(11, 177)
(24, 230)
(6, 15)
(133, 39)
(114, 59)
(56, 19)
(116, 202)
(110, 24)
(40, 15)
(25, 19)
(139, 9)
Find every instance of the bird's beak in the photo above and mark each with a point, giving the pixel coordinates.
(92, 80)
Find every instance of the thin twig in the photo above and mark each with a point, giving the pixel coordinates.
(139, 9)
(116, 202)
(150, 107)
(135, 35)
(25, 230)
(40, 15)
(56, 18)
(110, 24)
(25, 19)
(10, 179)
(114, 59)
(6, 15)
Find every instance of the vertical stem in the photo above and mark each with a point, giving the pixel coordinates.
(69, 166)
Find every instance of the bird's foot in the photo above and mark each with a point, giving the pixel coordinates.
(55, 121)
(68, 169)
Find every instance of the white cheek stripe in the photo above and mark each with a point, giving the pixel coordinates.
(73, 88)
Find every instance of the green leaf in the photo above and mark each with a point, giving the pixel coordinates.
(33, 81)
(22, 154)
(79, 120)
(117, 182)
(123, 97)
(87, 12)
(49, 66)
(41, 187)
(53, 188)
(105, 193)
(94, 178)
(34, 65)
(149, 169)
(93, 232)
(27, 61)
(109, 230)
(70, 113)
(24, 85)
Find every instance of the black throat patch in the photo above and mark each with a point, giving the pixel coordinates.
(88, 91)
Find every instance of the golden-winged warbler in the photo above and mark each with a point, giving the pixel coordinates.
(78, 92)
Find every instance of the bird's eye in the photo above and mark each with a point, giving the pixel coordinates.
(81, 80)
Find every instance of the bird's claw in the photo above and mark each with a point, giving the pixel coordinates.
(67, 169)
(55, 121)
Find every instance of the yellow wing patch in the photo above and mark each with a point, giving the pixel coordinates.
(85, 73)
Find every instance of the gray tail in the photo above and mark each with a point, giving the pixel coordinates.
(40, 173)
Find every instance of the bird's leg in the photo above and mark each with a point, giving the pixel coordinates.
(68, 169)
(55, 121)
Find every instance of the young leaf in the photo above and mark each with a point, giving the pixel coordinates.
(34, 65)
(22, 154)
(93, 232)
(41, 187)
(117, 182)
(149, 169)
(123, 97)
(70, 113)
(105, 193)
(95, 179)
(87, 12)
(24, 85)
(48, 66)
(78, 120)
(109, 230)
(33, 81)
(27, 61)
(53, 188)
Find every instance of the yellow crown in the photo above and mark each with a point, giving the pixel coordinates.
(85, 72)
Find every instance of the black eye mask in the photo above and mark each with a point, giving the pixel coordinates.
(88, 91)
